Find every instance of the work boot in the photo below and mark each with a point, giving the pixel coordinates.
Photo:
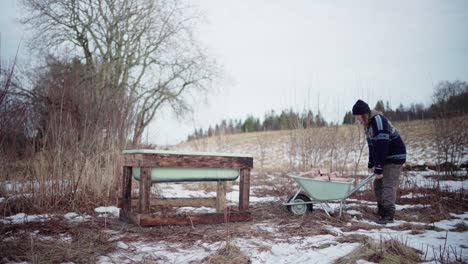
(384, 221)
(379, 211)
(386, 217)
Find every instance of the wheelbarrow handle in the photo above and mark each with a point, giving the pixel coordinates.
(361, 183)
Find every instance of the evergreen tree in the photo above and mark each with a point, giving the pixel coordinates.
(348, 118)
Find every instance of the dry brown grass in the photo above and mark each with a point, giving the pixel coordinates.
(305, 228)
(353, 238)
(388, 251)
(359, 226)
(460, 227)
(53, 242)
(229, 254)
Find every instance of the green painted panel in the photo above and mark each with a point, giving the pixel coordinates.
(325, 190)
(188, 174)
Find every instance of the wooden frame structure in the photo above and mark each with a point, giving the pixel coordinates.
(137, 210)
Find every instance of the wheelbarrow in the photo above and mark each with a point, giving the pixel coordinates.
(320, 192)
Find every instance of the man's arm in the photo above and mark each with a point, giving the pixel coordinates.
(380, 142)
(370, 163)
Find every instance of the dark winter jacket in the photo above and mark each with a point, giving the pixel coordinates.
(385, 143)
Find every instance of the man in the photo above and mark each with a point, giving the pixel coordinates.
(387, 153)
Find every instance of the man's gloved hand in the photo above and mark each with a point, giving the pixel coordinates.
(371, 170)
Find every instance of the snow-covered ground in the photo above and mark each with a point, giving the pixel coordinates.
(272, 246)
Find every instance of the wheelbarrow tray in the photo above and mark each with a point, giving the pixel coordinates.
(322, 190)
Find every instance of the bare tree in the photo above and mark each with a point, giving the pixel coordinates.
(142, 49)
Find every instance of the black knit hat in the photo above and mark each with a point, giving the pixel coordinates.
(361, 108)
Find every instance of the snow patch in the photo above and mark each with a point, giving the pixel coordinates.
(413, 195)
(74, 217)
(122, 245)
(109, 211)
(450, 224)
(353, 212)
(23, 218)
(196, 210)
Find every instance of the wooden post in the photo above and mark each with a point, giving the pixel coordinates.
(221, 196)
(145, 190)
(126, 193)
(244, 189)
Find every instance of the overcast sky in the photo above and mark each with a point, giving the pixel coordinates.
(279, 54)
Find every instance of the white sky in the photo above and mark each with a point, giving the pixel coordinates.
(280, 54)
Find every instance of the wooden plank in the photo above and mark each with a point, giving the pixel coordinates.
(145, 190)
(186, 161)
(214, 218)
(178, 202)
(244, 190)
(220, 196)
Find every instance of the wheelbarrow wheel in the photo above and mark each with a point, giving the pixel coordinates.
(299, 209)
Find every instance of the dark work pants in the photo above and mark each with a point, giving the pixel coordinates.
(385, 189)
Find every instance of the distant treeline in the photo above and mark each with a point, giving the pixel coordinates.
(287, 119)
(450, 99)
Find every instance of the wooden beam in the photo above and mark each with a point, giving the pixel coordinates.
(244, 190)
(125, 193)
(220, 196)
(178, 202)
(186, 161)
(214, 218)
(145, 190)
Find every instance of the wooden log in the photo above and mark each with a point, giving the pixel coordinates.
(145, 190)
(220, 196)
(186, 161)
(178, 202)
(214, 218)
(244, 189)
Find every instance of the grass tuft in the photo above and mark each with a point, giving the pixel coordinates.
(228, 254)
(389, 251)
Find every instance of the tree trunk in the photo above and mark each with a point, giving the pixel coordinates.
(139, 128)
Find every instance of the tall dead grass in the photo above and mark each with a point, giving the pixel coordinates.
(76, 133)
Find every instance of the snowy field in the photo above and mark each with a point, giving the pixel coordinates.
(274, 235)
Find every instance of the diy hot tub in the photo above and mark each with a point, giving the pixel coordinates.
(176, 174)
(157, 166)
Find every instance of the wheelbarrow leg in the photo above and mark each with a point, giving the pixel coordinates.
(297, 193)
(342, 207)
(322, 204)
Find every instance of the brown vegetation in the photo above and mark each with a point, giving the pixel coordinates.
(53, 241)
(388, 251)
(229, 254)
